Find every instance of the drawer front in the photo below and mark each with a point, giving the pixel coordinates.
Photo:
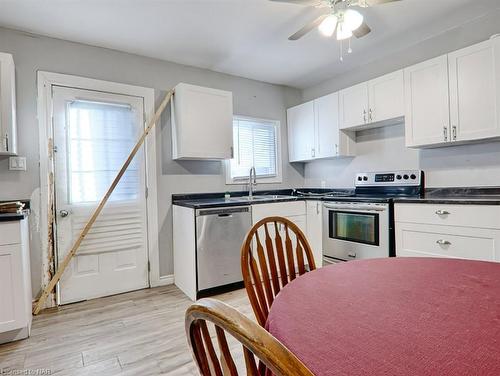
(443, 241)
(10, 232)
(280, 209)
(481, 216)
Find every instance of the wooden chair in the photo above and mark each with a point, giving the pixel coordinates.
(256, 342)
(265, 273)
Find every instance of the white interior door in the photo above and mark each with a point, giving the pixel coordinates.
(94, 133)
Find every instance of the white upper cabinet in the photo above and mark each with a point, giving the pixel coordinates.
(300, 121)
(474, 79)
(8, 131)
(386, 97)
(373, 103)
(202, 123)
(326, 111)
(354, 106)
(455, 97)
(313, 131)
(427, 106)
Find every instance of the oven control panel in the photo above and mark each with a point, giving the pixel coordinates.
(390, 178)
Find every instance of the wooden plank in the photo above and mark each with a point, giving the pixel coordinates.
(104, 200)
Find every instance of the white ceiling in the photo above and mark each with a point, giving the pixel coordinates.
(247, 38)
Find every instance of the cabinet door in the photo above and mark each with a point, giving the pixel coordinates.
(202, 123)
(427, 110)
(300, 121)
(354, 106)
(12, 295)
(326, 110)
(386, 97)
(314, 230)
(8, 132)
(475, 91)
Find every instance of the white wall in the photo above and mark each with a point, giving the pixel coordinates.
(32, 53)
(383, 149)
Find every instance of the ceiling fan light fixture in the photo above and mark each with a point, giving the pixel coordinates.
(343, 32)
(328, 26)
(352, 19)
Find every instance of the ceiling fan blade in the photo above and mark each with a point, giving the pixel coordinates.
(361, 31)
(311, 25)
(371, 3)
(310, 3)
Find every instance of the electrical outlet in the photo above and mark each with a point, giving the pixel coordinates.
(17, 163)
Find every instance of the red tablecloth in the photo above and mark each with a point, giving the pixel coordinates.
(397, 316)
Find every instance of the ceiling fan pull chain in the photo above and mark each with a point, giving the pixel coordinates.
(341, 51)
(349, 50)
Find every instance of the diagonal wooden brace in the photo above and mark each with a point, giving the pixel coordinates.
(62, 267)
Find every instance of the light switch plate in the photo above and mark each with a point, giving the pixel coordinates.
(17, 163)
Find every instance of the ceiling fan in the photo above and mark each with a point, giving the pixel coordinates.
(340, 18)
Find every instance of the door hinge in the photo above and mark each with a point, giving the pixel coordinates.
(147, 192)
(149, 266)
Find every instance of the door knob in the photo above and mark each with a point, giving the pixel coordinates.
(63, 213)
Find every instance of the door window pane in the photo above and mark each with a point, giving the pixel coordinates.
(100, 137)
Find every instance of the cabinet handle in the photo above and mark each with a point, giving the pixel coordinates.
(364, 116)
(317, 208)
(442, 212)
(6, 142)
(313, 152)
(443, 242)
(445, 133)
(370, 115)
(232, 152)
(454, 132)
(337, 149)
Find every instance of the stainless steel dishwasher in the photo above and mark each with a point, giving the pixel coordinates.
(219, 235)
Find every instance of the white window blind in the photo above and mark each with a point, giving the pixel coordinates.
(100, 138)
(255, 144)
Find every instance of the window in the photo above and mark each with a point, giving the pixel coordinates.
(256, 144)
(100, 138)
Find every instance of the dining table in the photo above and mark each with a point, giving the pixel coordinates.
(393, 316)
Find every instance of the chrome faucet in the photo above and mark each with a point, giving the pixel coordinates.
(252, 182)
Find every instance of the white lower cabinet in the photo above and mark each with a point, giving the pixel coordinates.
(15, 281)
(294, 211)
(305, 214)
(457, 231)
(314, 230)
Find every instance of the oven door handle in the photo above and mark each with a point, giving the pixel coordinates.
(357, 208)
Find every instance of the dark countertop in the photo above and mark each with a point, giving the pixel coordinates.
(5, 217)
(214, 200)
(450, 200)
(456, 196)
(453, 196)
(204, 203)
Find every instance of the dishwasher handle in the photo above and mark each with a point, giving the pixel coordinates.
(223, 212)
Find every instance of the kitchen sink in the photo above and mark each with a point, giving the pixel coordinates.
(261, 198)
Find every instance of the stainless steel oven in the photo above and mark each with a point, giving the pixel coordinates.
(355, 230)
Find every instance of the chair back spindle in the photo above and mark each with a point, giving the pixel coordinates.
(287, 254)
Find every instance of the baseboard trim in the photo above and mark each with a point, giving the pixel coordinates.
(164, 281)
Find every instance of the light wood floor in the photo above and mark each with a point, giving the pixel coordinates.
(138, 333)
